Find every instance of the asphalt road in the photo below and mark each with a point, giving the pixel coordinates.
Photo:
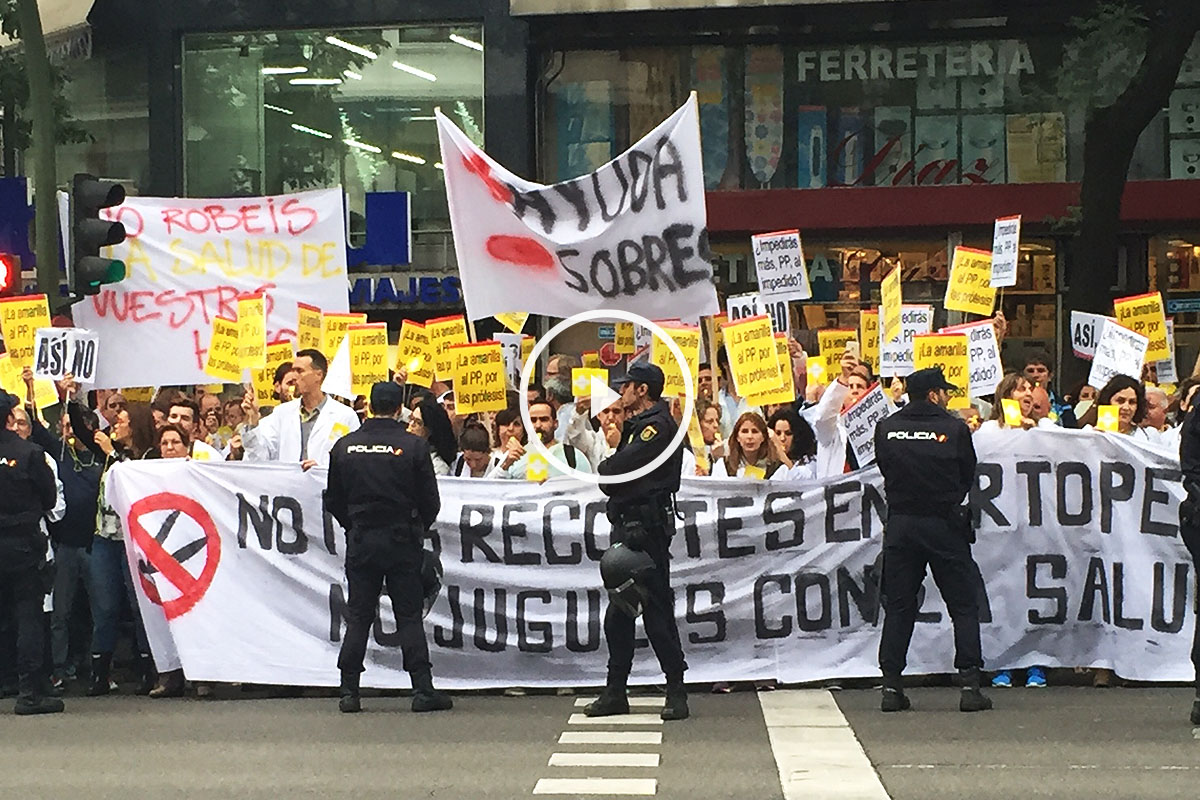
(1058, 742)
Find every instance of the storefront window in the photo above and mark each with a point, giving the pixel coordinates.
(964, 111)
(266, 113)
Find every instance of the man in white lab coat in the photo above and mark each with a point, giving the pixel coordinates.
(303, 429)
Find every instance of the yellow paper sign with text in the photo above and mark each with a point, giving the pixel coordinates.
(333, 330)
(590, 359)
(138, 394)
(696, 440)
(1143, 314)
(252, 332)
(891, 301)
(414, 354)
(514, 321)
(970, 286)
(786, 392)
(833, 347)
(45, 394)
(368, 356)
(623, 339)
(20, 317)
(308, 327)
(868, 337)
(223, 351)
(263, 380)
(479, 382)
(444, 332)
(581, 380)
(688, 340)
(950, 352)
(750, 344)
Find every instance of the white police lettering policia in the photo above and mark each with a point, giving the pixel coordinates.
(928, 463)
(382, 490)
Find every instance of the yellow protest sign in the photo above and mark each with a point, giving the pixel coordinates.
(308, 327)
(623, 339)
(696, 440)
(786, 391)
(833, 347)
(891, 302)
(816, 372)
(527, 343)
(333, 330)
(223, 351)
(263, 380)
(20, 317)
(252, 331)
(479, 382)
(950, 352)
(688, 339)
(1143, 314)
(581, 380)
(970, 286)
(444, 332)
(138, 394)
(45, 394)
(590, 359)
(1108, 418)
(750, 344)
(755, 472)
(537, 468)
(1012, 412)
(368, 355)
(414, 354)
(514, 321)
(868, 337)
(214, 388)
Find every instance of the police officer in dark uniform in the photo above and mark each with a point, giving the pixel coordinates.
(1189, 520)
(27, 491)
(382, 490)
(642, 516)
(928, 463)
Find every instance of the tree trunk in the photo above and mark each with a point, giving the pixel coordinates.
(1110, 136)
(41, 108)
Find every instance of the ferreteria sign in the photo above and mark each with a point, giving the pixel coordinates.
(959, 60)
(519, 7)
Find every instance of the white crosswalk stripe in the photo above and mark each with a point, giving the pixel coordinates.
(603, 760)
(619, 719)
(605, 786)
(610, 737)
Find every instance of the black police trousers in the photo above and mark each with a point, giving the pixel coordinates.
(910, 544)
(22, 557)
(658, 616)
(373, 557)
(1191, 540)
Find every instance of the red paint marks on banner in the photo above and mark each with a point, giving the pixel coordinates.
(478, 165)
(191, 589)
(520, 250)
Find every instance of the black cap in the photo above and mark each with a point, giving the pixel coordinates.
(7, 403)
(647, 373)
(386, 395)
(924, 381)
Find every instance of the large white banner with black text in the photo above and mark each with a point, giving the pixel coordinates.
(241, 573)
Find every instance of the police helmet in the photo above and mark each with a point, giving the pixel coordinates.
(624, 572)
(431, 580)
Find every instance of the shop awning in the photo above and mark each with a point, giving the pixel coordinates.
(519, 7)
(64, 25)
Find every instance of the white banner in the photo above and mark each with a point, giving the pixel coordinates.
(1078, 546)
(190, 259)
(629, 236)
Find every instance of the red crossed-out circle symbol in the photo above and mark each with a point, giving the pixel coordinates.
(191, 589)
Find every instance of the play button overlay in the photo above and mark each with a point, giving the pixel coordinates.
(602, 396)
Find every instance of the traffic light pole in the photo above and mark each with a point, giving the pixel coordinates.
(41, 94)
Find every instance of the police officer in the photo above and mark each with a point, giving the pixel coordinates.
(928, 463)
(27, 491)
(383, 492)
(642, 518)
(1189, 520)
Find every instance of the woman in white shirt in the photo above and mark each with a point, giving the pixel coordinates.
(751, 447)
(798, 442)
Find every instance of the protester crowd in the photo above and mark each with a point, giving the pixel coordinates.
(92, 601)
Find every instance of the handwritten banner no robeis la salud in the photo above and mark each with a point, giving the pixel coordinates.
(630, 236)
(190, 260)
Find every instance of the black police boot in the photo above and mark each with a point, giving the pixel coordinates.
(893, 697)
(30, 699)
(349, 702)
(676, 706)
(101, 664)
(427, 698)
(612, 701)
(972, 699)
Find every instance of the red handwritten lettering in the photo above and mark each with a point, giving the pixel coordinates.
(201, 351)
(137, 306)
(299, 217)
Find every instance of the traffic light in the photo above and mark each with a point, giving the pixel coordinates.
(87, 271)
(10, 275)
